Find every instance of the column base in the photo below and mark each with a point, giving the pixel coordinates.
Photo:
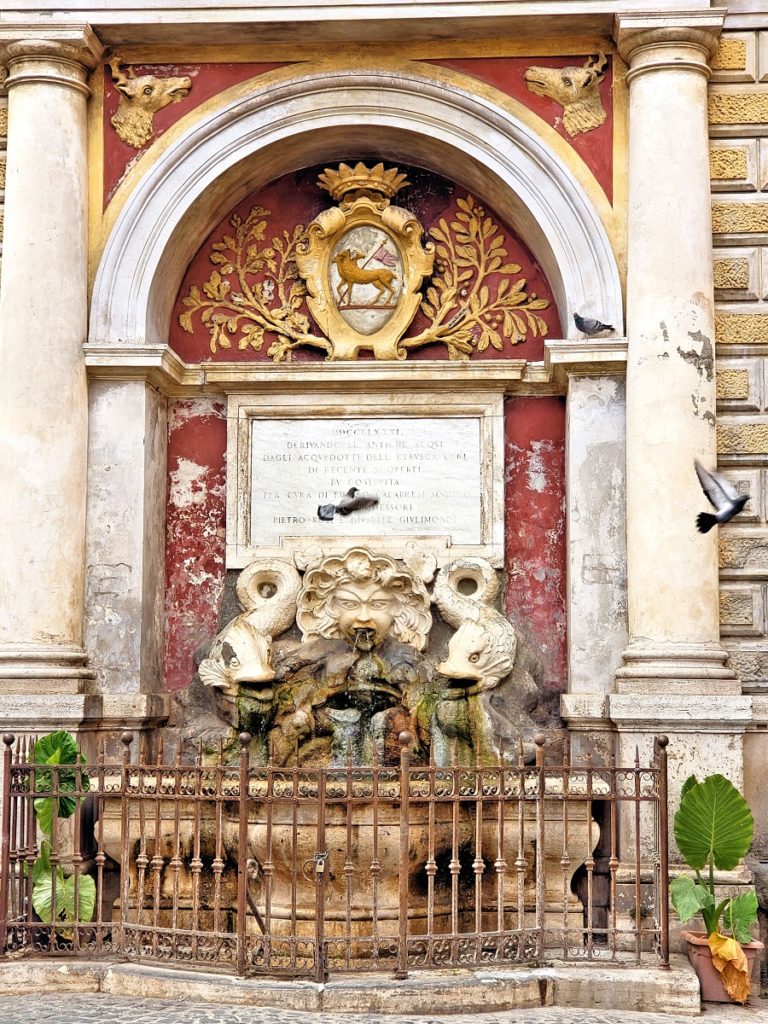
(89, 717)
(678, 668)
(44, 668)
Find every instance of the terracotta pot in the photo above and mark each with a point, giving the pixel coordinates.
(700, 955)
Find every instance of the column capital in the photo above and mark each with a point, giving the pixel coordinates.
(684, 40)
(58, 53)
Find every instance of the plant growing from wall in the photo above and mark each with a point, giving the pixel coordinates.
(73, 898)
(713, 829)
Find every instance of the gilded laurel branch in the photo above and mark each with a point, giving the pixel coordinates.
(473, 300)
(253, 291)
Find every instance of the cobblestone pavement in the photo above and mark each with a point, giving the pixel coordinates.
(107, 1009)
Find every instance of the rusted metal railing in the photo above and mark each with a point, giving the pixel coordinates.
(306, 871)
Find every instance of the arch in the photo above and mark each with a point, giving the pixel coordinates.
(442, 121)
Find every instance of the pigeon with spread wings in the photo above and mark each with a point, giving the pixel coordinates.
(351, 502)
(723, 496)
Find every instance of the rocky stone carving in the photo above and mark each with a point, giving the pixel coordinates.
(140, 98)
(483, 648)
(577, 90)
(360, 673)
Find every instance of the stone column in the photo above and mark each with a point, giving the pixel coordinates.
(674, 678)
(672, 569)
(43, 324)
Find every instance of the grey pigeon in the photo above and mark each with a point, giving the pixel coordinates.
(351, 501)
(722, 495)
(588, 325)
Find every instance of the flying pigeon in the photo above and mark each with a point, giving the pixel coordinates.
(723, 496)
(351, 501)
(587, 325)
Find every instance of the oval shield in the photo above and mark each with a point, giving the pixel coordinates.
(366, 277)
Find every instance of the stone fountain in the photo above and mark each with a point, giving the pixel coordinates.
(333, 670)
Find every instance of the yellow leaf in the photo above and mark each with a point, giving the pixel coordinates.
(731, 961)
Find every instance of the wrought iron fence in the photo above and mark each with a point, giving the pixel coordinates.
(302, 871)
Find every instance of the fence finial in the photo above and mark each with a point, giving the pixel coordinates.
(8, 738)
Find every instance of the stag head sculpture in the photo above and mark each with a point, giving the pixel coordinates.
(140, 99)
(577, 90)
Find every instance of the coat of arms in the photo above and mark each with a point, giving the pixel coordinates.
(363, 262)
(362, 271)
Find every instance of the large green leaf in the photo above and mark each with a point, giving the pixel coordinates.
(57, 749)
(86, 898)
(740, 914)
(689, 897)
(713, 821)
(42, 895)
(66, 912)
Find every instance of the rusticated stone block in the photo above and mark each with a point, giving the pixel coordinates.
(736, 58)
(733, 384)
(3, 120)
(741, 328)
(739, 218)
(731, 54)
(744, 551)
(749, 438)
(2, 174)
(749, 665)
(736, 609)
(738, 108)
(732, 273)
(728, 163)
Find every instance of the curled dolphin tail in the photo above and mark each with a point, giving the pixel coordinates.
(475, 575)
(267, 589)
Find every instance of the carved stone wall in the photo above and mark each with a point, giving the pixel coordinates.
(738, 111)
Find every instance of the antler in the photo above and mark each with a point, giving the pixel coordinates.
(118, 77)
(597, 64)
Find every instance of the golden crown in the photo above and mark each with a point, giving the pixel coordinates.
(352, 179)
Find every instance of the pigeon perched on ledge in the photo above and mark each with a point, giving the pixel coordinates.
(723, 497)
(587, 325)
(351, 502)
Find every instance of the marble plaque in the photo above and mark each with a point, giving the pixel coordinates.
(426, 473)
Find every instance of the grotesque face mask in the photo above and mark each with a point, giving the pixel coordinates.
(365, 613)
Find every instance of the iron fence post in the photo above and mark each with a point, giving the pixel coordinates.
(320, 868)
(540, 739)
(5, 851)
(125, 851)
(660, 746)
(405, 740)
(242, 852)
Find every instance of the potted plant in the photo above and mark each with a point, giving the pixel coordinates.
(713, 829)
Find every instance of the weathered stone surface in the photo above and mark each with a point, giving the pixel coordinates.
(731, 54)
(728, 163)
(741, 328)
(744, 550)
(731, 273)
(750, 438)
(556, 994)
(732, 384)
(738, 108)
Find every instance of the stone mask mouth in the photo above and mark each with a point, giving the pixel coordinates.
(364, 639)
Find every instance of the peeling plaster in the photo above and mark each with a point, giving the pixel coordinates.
(195, 533)
(535, 596)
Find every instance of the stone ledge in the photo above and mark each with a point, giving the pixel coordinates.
(619, 987)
